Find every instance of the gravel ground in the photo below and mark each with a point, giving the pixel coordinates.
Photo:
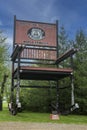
(40, 126)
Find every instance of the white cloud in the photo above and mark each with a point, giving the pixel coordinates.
(9, 40)
(38, 10)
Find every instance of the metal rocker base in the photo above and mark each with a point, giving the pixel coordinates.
(70, 109)
(14, 108)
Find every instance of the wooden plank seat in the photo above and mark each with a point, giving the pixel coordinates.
(40, 73)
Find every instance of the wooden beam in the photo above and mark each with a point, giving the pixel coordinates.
(18, 49)
(24, 86)
(66, 55)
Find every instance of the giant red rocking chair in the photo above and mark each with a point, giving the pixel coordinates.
(36, 43)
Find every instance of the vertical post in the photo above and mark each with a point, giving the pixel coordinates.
(57, 38)
(57, 98)
(72, 84)
(49, 93)
(57, 82)
(14, 31)
(12, 78)
(72, 90)
(18, 80)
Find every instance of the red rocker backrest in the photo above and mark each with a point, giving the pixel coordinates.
(40, 39)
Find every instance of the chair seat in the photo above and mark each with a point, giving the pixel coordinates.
(40, 73)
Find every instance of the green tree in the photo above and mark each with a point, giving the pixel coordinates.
(80, 67)
(63, 40)
(3, 61)
(64, 94)
(37, 99)
(3, 55)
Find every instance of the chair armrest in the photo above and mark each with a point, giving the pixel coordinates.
(18, 49)
(66, 55)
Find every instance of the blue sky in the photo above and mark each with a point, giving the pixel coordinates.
(70, 13)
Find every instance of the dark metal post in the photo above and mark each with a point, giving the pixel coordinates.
(57, 38)
(57, 98)
(72, 90)
(72, 84)
(18, 80)
(12, 79)
(57, 83)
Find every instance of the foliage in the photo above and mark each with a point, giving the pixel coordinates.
(63, 40)
(3, 55)
(64, 94)
(80, 71)
(80, 67)
(3, 59)
(37, 99)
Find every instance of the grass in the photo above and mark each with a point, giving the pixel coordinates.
(40, 117)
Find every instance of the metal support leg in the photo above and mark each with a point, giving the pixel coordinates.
(73, 104)
(57, 98)
(72, 91)
(72, 84)
(12, 84)
(17, 92)
(18, 84)
(18, 96)
(11, 105)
